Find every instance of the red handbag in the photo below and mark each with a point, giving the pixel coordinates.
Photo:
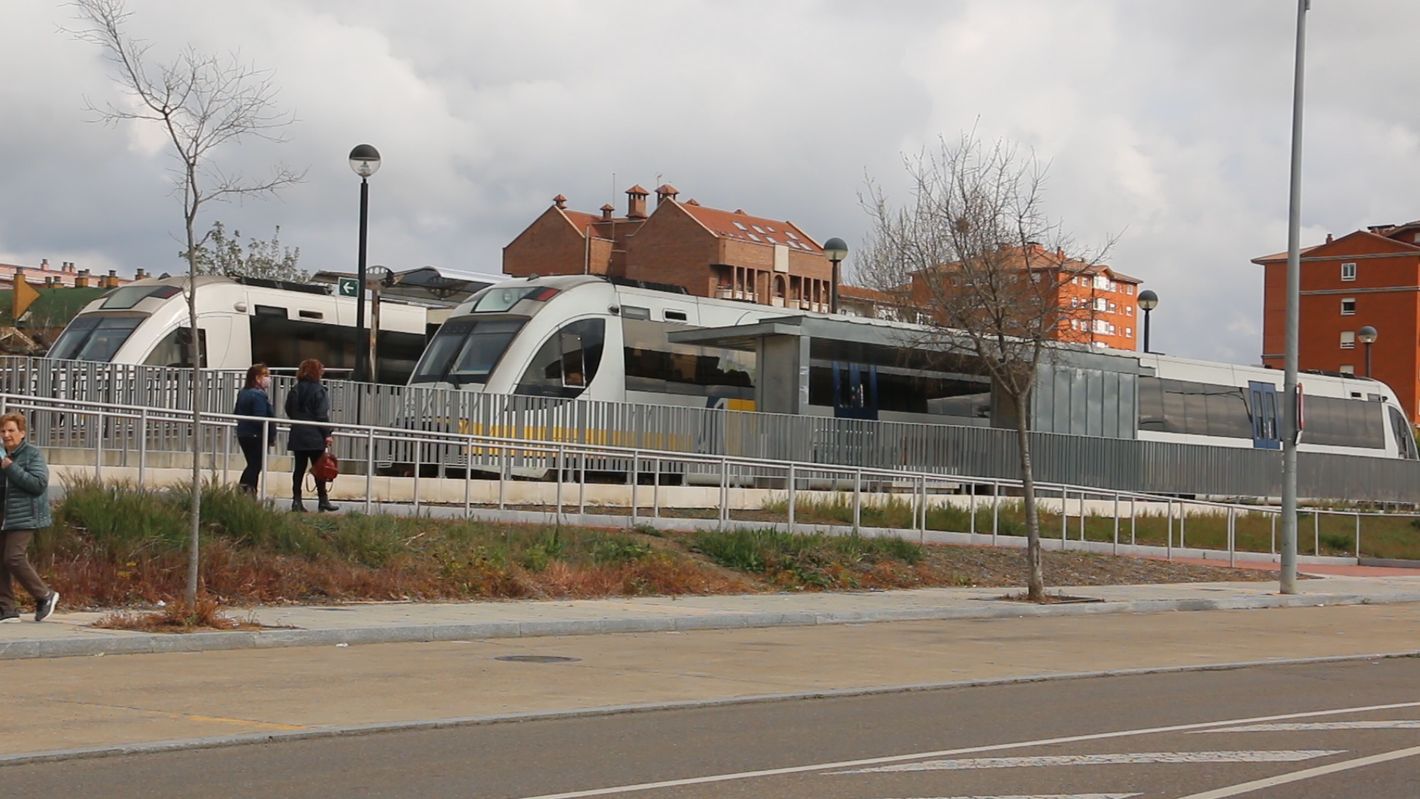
(326, 467)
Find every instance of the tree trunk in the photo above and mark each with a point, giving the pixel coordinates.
(196, 518)
(1035, 589)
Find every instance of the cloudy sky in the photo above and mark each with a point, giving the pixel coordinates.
(1166, 124)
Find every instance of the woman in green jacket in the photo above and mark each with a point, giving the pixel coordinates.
(26, 487)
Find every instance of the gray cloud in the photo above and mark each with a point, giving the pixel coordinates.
(1165, 124)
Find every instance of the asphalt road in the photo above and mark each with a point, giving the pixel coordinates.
(1350, 729)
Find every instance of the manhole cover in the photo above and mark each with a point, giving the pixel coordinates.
(536, 659)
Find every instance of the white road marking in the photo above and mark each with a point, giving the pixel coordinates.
(1124, 758)
(1044, 796)
(1398, 724)
(1298, 776)
(869, 761)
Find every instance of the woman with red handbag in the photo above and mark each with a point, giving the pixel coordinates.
(308, 402)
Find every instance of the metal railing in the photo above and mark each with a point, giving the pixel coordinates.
(962, 452)
(803, 496)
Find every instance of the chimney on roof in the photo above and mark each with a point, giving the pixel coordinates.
(607, 210)
(140, 274)
(692, 201)
(636, 202)
(1328, 238)
(81, 281)
(664, 192)
(43, 264)
(560, 201)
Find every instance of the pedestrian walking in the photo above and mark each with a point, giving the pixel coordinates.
(254, 400)
(309, 402)
(26, 508)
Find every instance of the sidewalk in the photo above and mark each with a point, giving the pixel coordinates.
(70, 633)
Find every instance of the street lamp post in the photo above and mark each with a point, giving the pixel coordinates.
(836, 249)
(1148, 301)
(378, 276)
(365, 160)
(1367, 335)
(1287, 581)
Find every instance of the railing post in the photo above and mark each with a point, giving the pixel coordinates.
(582, 487)
(1133, 522)
(1316, 533)
(995, 509)
(561, 460)
(724, 492)
(226, 453)
(635, 472)
(1082, 516)
(1232, 536)
(971, 509)
(1182, 524)
(143, 448)
(919, 506)
(1168, 545)
(1272, 545)
(656, 490)
(265, 459)
(468, 478)
(792, 499)
(503, 456)
(369, 468)
(1064, 517)
(418, 464)
(857, 500)
(1114, 548)
(99, 436)
(1358, 539)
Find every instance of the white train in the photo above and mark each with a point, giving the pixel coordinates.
(240, 322)
(582, 337)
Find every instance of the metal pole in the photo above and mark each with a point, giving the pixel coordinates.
(1147, 311)
(635, 478)
(1288, 579)
(792, 499)
(360, 279)
(369, 467)
(265, 459)
(857, 499)
(143, 448)
(1358, 539)
(1115, 548)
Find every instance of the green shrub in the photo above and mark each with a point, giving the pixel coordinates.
(369, 540)
(122, 519)
(616, 550)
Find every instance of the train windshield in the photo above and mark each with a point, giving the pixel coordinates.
(94, 338)
(466, 350)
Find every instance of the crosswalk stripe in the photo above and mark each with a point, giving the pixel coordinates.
(1132, 758)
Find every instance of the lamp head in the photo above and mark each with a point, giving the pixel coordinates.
(1148, 300)
(836, 249)
(1366, 335)
(365, 160)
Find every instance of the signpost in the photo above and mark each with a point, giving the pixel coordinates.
(347, 287)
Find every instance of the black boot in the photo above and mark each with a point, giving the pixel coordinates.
(296, 506)
(323, 499)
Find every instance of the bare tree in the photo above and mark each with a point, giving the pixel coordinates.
(201, 103)
(974, 255)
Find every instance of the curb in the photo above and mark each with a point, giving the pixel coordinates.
(157, 643)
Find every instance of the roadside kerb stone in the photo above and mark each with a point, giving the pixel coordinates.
(969, 604)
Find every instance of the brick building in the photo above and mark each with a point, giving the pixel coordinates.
(707, 251)
(67, 275)
(1099, 306)
(1367, 277)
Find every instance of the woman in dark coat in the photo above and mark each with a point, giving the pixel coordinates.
(253, 400)
(308, 402)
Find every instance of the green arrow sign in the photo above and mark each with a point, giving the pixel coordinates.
(348, 287)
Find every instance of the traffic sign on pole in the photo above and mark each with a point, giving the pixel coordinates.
(348, 287)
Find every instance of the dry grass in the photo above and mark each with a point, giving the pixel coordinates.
(179, 617)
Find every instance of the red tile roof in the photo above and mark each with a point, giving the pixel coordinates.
(757, 229)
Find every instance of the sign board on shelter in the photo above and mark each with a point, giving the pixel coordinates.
(348, 287)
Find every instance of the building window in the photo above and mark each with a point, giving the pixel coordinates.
(1348, 271)
(1348, 369)
(1129, 288)
(1348, 339)
(1129, 310)
(1129, 332)
(1348, 306)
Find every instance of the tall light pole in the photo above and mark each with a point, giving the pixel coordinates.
(1148, 301)
(1367, 335)
(365, 160)
(836, 249)
(1291, 431)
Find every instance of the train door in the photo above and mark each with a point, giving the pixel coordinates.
(1262, 407)
(855, 391)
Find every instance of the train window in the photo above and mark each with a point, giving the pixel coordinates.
(466, 350)
(1337, 422)
(498, 300)
(635, 312)
(1201, 409)
(1404, 439)
(653, 364)
(125, 297)
(567, 362)
(675, 316)
(176, 348)
(94, 338)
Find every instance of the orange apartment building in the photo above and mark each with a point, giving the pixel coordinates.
(706, 251)
(1368, 277)
(1099, 305)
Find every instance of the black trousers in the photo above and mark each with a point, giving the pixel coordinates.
(254, 452)
(304, 459)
